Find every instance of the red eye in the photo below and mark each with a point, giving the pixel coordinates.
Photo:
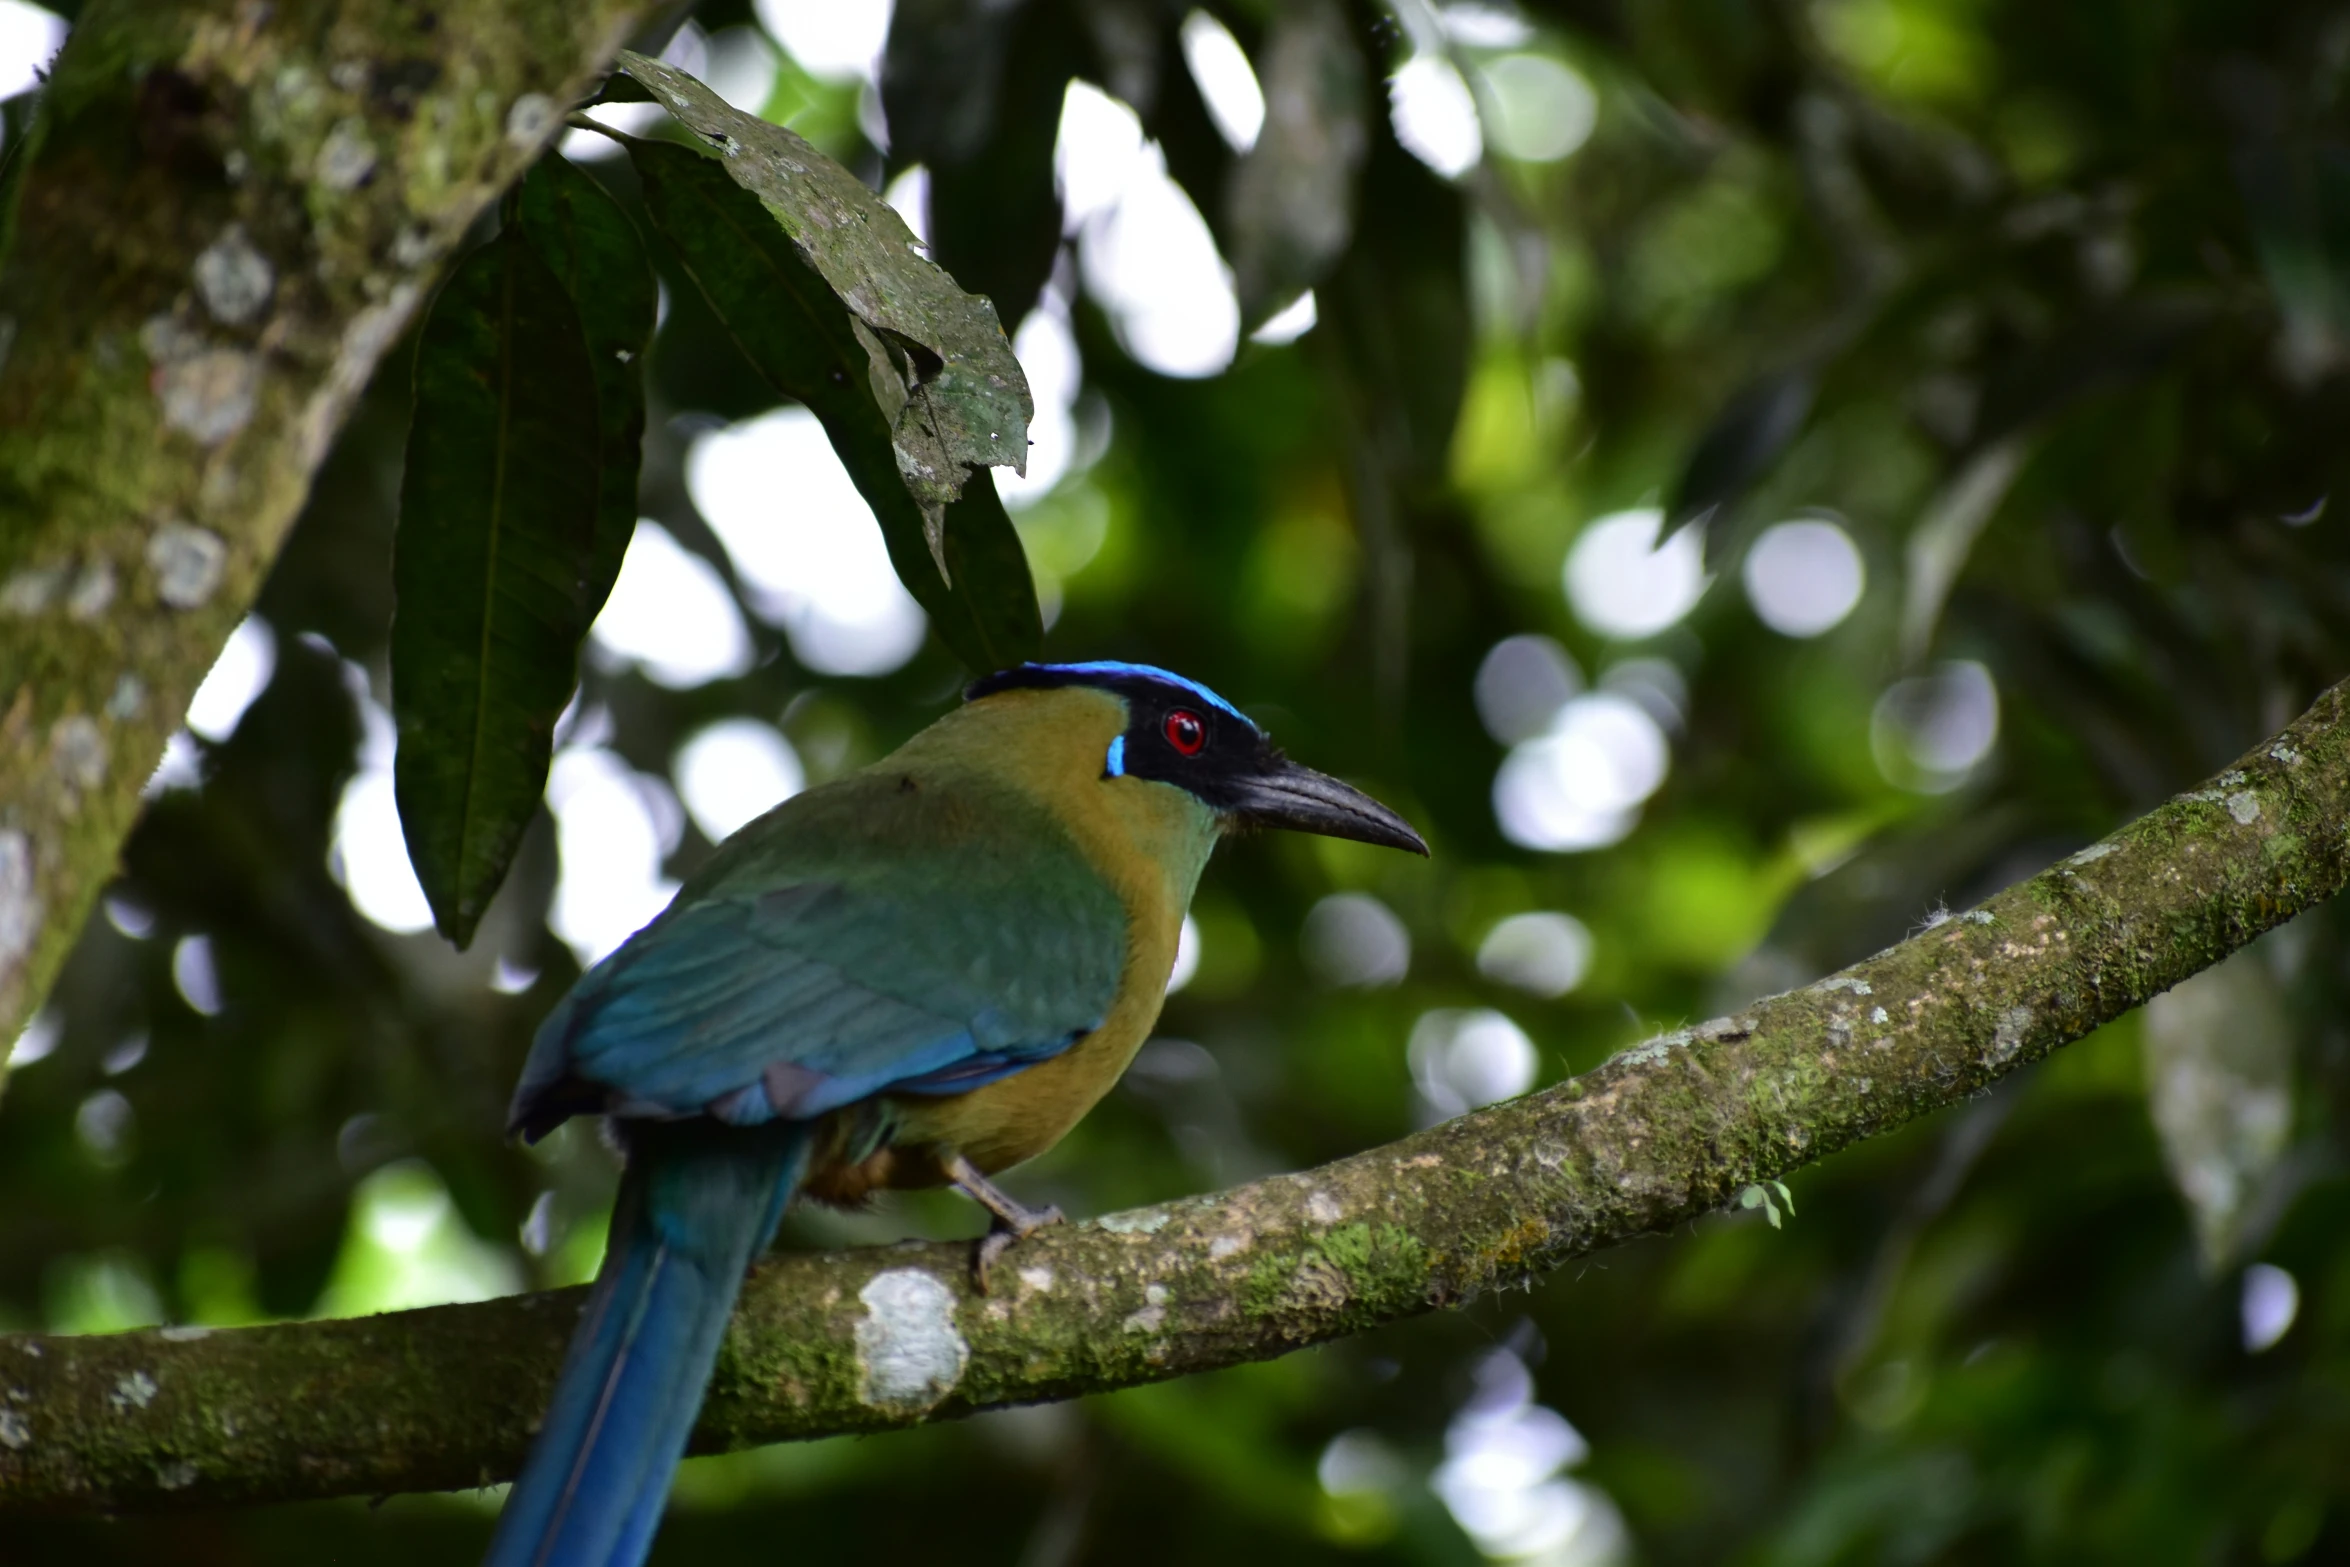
(1185, 732)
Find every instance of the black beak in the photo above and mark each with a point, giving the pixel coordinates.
(1302, 800)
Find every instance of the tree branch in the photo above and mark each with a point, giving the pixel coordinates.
(866, 1340)
(234, 212)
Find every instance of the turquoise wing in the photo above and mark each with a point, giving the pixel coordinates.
(859, 939)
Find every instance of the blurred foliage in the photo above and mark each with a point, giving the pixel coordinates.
(2047, 306)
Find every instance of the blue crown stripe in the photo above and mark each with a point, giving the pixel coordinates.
(1110, 668)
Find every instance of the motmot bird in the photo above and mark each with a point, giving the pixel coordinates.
(919, 975)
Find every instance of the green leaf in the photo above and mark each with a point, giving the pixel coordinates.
(808, 346)
(497, 532)
(588, 243)
(942, 371)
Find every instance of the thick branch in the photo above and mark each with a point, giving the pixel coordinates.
(865, 1340)
(236, 209)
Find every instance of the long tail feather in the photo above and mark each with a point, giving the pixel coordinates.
(698, 1203)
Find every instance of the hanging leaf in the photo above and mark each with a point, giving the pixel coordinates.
(973, 93)
(941, 356)
(811, 348)
(589, 244)
(1291, 200)
(1739, 447)
(497, 532)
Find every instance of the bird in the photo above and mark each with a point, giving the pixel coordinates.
(920, 974)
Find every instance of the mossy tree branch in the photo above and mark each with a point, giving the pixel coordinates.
(870, 1339)
(234, 211)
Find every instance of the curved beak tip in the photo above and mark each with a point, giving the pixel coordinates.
(1300, 799)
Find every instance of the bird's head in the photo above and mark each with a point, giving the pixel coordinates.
(1181, 733)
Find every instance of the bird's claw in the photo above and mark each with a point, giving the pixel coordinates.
(1000, 1238)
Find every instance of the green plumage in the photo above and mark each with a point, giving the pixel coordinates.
(880, 931)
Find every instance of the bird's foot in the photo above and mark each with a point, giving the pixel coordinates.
(1013, 1219)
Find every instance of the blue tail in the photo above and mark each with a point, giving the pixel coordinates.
(699, 1202)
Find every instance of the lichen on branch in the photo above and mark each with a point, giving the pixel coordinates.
(866, 1340)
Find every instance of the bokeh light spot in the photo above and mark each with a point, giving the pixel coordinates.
(612, 845)
(29, 38)
(2271, 1300)
(832, 40)
(1463, 1059)
(1353, 941)
(1227, 83)
(1580, 785)
(1522, 684)
(1435, 116)
(670, 615)
(1623, 581)
(1804, 577)
(1929, 732)
(1186, 956)
(804, 543)
(1543, 109)
(1144, 250)
(1544, 953)
(735, 770)
(236, 679)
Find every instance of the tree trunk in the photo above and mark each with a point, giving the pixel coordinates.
(235, 209)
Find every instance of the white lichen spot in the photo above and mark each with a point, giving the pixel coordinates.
(1877, 1015)
(1153, 1314)
(1836, 982)
(1980, 917)
(346, 157)
(233, 278)
(2007, 1037)
(1136, 1221)
(187, 563)
(130, 694)
(2285, 754)
(93, 592)
(530, 121)
(1229, 1245)
(33, 589)
(163, 340)
(349, 75)
(20, 901)
(2091, 855)
(14, 1433)
(1323, 1208)
(412, 247)
(1650, 1051)
(177, 1475)
(909, 1354)
(183, 1333)
(1037, 1280)
(133, 1390)
(77, 750)
(211, 394)
(2244, 806)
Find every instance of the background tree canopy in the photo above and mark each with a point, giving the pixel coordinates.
(1746, 475)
